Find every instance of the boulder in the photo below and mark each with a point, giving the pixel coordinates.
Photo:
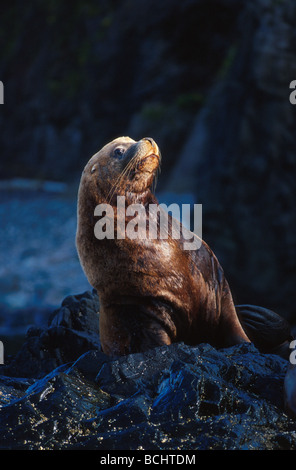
(62, 392)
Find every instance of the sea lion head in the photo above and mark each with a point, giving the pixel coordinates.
(123, 166)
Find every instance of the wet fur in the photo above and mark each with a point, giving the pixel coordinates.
(151, 292)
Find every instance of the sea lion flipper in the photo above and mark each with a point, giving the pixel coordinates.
(269, 332)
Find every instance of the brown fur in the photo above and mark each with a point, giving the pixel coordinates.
(152, 292)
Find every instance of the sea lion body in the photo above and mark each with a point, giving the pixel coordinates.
(152, 291)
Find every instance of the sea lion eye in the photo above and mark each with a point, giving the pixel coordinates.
(118, 152)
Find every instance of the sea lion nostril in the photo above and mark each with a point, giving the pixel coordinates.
(153, 145)
(149, 140)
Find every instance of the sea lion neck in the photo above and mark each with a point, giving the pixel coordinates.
(144, 198)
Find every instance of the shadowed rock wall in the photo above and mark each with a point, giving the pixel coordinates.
(240, 161)
(76, 77)
(209, 80)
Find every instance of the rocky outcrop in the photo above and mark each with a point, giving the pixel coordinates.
(62, 392)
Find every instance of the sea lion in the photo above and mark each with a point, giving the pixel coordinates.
(152, 292)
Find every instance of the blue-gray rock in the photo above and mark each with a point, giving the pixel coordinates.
(62, 392)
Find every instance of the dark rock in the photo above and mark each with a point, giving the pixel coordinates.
(240, 156)
(73, 396)
(71, 107)
(73, 329)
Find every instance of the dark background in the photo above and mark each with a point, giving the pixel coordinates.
(208, 80)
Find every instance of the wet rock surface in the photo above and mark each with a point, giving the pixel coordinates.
(61, 392)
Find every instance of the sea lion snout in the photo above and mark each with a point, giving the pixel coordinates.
(143, 148)
(154, 146)
(152, 143)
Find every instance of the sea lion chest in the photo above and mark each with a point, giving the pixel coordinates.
(144, 267)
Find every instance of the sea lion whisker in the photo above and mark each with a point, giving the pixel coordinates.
(154, 184)
(115, 185)
(119, 179)
(125, 173)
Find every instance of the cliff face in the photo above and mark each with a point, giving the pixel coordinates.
(208, 80)
(240, 160)
(76, 77)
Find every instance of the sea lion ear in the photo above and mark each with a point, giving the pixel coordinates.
(93, 168)
(269, 332)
